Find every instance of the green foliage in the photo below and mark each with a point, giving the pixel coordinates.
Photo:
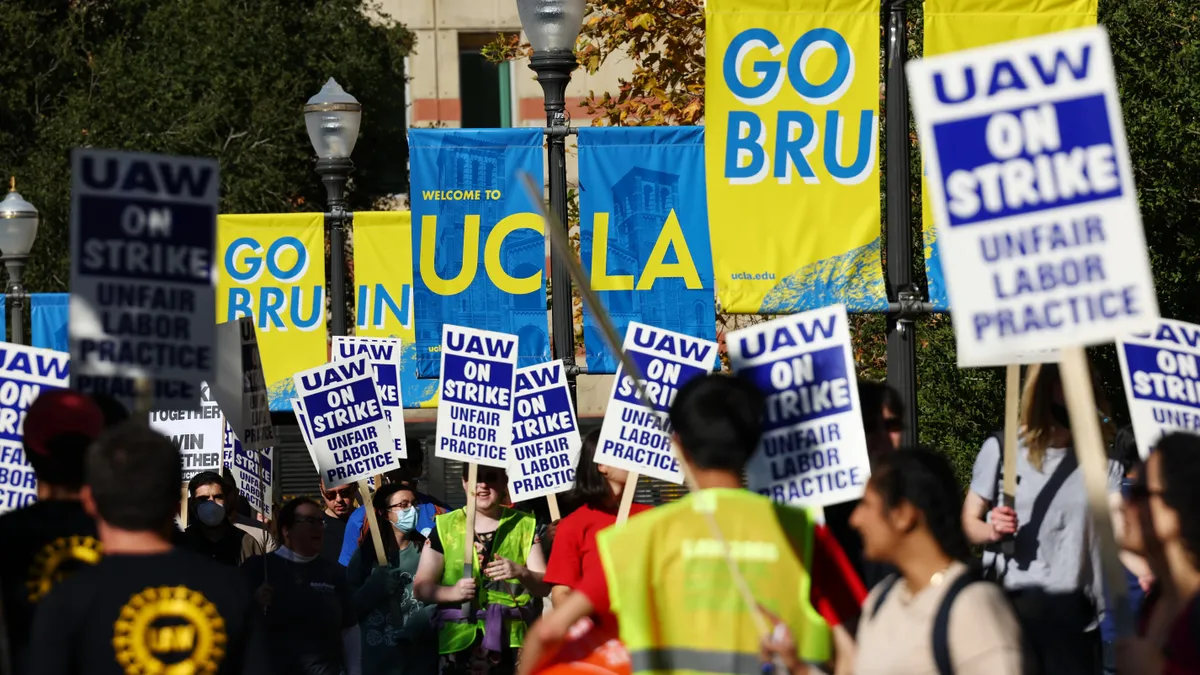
(216, 78)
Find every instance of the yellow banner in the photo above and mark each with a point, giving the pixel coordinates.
(383, 283)
(791, 154)
(272, 268)
(954, 25)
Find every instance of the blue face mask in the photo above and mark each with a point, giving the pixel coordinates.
(407, 521)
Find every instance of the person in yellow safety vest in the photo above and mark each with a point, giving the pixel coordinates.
(666, 581)
(507, 568)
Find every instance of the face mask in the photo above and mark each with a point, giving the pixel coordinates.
(210, 513)
(1060, 415)
(407, 521)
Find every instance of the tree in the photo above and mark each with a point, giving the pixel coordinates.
(216, 78)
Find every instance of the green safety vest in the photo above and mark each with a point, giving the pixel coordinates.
(678, 607)
(514, 539)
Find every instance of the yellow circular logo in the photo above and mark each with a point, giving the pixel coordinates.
(169, 630)
(57, 560)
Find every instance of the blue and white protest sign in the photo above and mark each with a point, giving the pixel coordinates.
(143, 234)
(813, 450)
(351, 439)
(1162, 381)
(252, 471)
(25, 372)
(384, 355)
(546, 439)
(475, 413)
(633, 437)
(198, 433)
(1032, 191)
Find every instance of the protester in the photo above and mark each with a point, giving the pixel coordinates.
(50, 539)
(512, 565)
(146, 607)
(339, 504)
(597, 495)
(1138, 580)
(909, 518)
(397, 633)
(893, 415)
(664, 578)
(1166, 502)
(1053, 573)
(211, 532)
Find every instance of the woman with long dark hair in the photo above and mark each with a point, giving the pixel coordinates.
(909, 518)
(397, 634)
(596, 497)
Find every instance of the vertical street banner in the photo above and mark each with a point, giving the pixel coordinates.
(814, 450)
(143, 238)
(1162, 381)
(643, 232)
(480, 244)
(272, 269)
(791, 147)
(48, 314)
(198, 433)
(546, 439)
(383, 355)
(1033, 192)
(633, 437)
(383, 282)
(25, 372)
(475, 415)
(954, 25)
(351, 439)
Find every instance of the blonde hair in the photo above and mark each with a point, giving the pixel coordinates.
(1038, 425)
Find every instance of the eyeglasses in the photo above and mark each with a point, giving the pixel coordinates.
(1139, 493)
(309, 520)
(893, 424)
(404, 505)
(334, 495)
(491, 477)
(205, 498)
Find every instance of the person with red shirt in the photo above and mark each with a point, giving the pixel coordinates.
(597, 496)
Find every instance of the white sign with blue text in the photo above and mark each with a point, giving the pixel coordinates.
(252, 471)
(1162, 381)
(384, 356)
(25, 372)
(546, 439)
(1032, 191)
(633, 437)
(350, 435)
(475, 412)
(143, 234)
(813, 450)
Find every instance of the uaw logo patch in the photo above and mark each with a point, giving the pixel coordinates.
(58, 560)
(169, 630)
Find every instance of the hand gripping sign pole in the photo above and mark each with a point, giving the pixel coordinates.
(558, 239)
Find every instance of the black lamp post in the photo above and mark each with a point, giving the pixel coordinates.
(18, 229)
(332, 118)
(552, 27)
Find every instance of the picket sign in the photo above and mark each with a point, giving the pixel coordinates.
(1032, 191)
(25, 372)
(546, 441)
(384, 355)
(198, 434)
(1162, 381)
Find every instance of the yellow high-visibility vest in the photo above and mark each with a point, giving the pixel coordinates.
(675, 600)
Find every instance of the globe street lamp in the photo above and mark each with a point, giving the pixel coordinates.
(332, 118)
(18, 229)
(552, 27)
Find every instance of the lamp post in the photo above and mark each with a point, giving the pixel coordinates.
(332, 118)
(552, 27)
(18, 229)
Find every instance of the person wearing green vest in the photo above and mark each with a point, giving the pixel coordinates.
(664, 578)
(507, 576)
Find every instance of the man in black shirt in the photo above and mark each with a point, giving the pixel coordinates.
(51, 538)
(211, 532)
(146, 607)
(339, 504)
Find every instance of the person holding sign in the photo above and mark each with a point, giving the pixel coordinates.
(666, 579)
(507, 576)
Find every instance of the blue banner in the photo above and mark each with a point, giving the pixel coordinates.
(49, 317)
(643, 232)
(479, 246)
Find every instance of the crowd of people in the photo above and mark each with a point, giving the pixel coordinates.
(914, 578)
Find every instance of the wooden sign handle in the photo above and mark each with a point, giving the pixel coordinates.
(1012, 421)
(372, 522)
(627, 497)
(555, 513)
(469, 543)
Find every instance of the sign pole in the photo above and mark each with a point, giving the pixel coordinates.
(631, 482)
(469, 547)
(372, 521)
(1012, 418)
(183, 507)
(555, 513)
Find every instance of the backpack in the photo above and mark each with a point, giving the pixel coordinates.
(941, 621)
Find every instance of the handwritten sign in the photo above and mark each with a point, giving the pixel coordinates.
(384, 356)
(546, 439)
(1162, 381)
(814, 450)
(633, 437)
(475, 414)
(25, 372)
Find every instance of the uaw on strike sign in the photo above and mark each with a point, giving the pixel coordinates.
(1033, 193)
(1162, 381)
(143, 232)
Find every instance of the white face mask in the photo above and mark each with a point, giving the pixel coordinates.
(210, 513)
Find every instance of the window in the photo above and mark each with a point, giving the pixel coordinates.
(484, 89)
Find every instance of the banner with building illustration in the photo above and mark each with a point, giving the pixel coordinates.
(954, 25)
(383, 283)
(272, 268)
(643, 232)
(480, 247)
(792, 124)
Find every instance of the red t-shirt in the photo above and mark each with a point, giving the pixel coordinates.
(836, 591)
(575, 544)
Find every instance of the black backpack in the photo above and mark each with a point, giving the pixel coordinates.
(941, 621)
